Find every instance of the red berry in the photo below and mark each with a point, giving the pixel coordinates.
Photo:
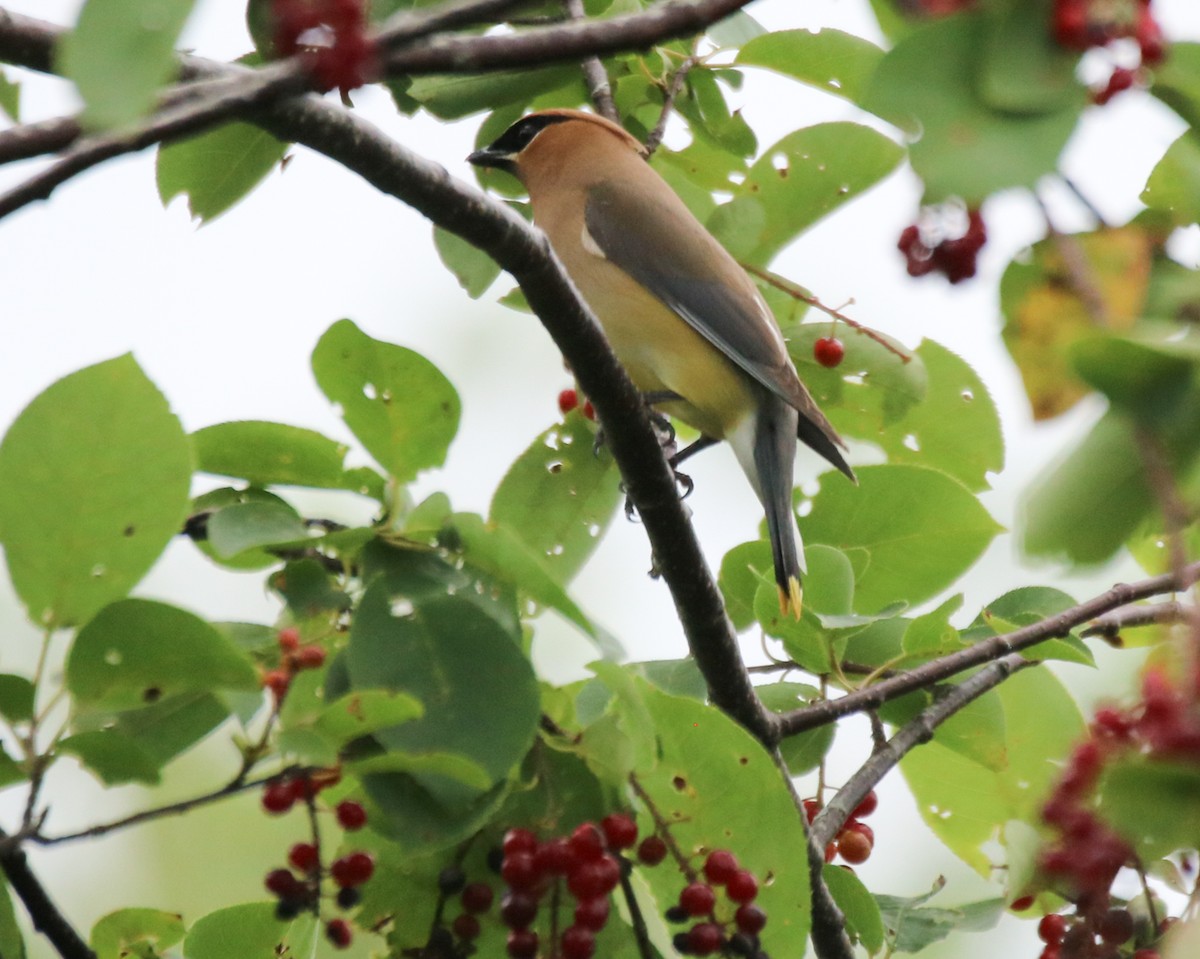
(620, 831)
(830, 851)
(519, 840)
(338, 932)
(586, 842)
(466, 927)
(597, 877)
(1147, 954)
(828, 351)
(519, 871)
(522, 944)
(278, 797)
(288, 639)
(477, 897)
(310, 657)
(854, 847)
(1116, 927)
(1051, 928)
(1021, 904)
(750, 919)
(518, 909)
(869, 804)
(567, 401)
(811, 808)
(704, 938)
(652, 851)
(589, 411)
(863, 829)
(554, 858)
(353, 869)
(1149, 37)
(592, 913)
(697, 899)
(578, 943)
(742, 886)
(350, 815)
(720, 866)
(278, 681)
(1120, 80)
(283, 883)
(303, 856)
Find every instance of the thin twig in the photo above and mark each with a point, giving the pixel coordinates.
(674, 88)
(1110, 625)
(594, 74)
(1079, 272)
(45, 915)
(792, 290)
(641, 935)
(985, 651)
(1084, 199)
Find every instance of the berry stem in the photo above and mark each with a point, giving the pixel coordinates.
(797, 293)
(662, 828)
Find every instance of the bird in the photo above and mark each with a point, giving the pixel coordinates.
(689, 326)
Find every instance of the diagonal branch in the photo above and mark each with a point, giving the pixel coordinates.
(925, 676)
(42, 911)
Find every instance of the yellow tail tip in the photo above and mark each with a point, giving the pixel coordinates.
(791, 600)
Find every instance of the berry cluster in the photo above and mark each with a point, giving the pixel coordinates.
(737, 935)
(1085, 859)
(856, 840)
(334, 32)
(568, 400)
(294, 658)
(829, 351)
(1087, 24)
(298, 886)
(943, 241)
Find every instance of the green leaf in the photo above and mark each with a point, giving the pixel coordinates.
(12, 943)
(458, 95)
(743, 570)
(246, 526)
(119, 54)
(16, 699)
(931, 634)
(94, 479)
(502, 555)
(797, 181)
(1023, 607)
(137, 651)
(365, 712)
(1174, 183)
(928, 84)
(1177, 81)
(559, 496)
(132, 932)
(216, 169)
(964, 802)
(398, 404)
(910, 532)
(830, 60)
(115, 759)
(1024, 70)
(913, 926)
(1152, 803)
(735, 30)
(1147, 379)
(804, 751)
(309, 589)
(10, 97)
(248, 931)
(479, 692)
(864, 921)
(269, 454)
(698, 779)
(474, 269)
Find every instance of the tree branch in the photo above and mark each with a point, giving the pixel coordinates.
(1110, 625)
(45, 915)
(594, 74)
(818, 714)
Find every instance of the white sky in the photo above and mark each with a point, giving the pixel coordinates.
(223, 319)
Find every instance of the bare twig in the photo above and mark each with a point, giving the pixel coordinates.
(1110, 624)
(46, 917)
(1080, 275)
(926, 675)
(674, 88)
(594, 74)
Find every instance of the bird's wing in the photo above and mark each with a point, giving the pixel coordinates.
(667, 251)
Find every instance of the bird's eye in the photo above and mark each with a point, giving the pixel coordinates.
(517, 137)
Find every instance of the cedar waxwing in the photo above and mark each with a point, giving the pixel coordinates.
(680, 314)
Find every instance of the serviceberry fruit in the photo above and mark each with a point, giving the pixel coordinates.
(352, 869)
(522, 944)
(554, 857)
(518, 909)
(519, 840)
(466, 927)
(283, 883)
(288, 639)
(310, 657)
(586, 842)
(829, 351)
(567, 401)
(720, 866)
(350, 815)
(697, 899)
(704, 938)
(348, 898)
(750, 919)
(338, 932)
(620, 832)
(853, 846)
(452, 880)
(592, 913)
(596, 877)
(742, 886)
(303, 856)
(477, 897)
(578, 943)
(1051, 928)
(278, 797)
(519, 871)
(278, 681)
(652, 850)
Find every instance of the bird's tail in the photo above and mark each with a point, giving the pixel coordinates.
(768, 462)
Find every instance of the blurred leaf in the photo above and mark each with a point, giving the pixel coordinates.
(398, 404)
(736, 30)
(804, 751)
(248, 931)
(830, 60)
(474, 269)
(864, 922)
(136, 651)
(743, 569)
(12, 943)
(130, 932)
(909, 532)
(10, 98)
(245, 526)
(559, 496)
(1045, 309)
(1024, 607)
(94, 479)
(1177, 81)
(458, 95)
(1024, 70)
(1174, 183)
(798, 180)
(913, 926)
(702, 772)
(1174, 291)
(119, 54)
(270, 454)
(114, 758)
(16, 699)
(216, 169)
(1152, 803)
(309, 589)
(1147, 379)
(931, 635)
(965, 803)
(364, 712)
(928, 84)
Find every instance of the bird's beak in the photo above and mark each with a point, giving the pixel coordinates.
(489, 156)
